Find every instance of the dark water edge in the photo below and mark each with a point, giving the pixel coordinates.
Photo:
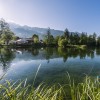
(22, 63)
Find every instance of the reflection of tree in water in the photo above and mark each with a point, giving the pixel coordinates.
(98, 51)
(48, 53)
(74, 52)
(35, 52)
(63, 52)
(67, 53)
(90, 53)
(6, 56)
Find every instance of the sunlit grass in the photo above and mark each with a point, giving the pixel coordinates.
(87, 90)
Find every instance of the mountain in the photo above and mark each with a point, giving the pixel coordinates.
(27, 31)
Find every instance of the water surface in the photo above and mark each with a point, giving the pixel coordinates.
(22, 63)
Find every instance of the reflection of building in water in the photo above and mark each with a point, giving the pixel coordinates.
(20, 52)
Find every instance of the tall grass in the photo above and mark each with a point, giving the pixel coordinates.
(87, 90)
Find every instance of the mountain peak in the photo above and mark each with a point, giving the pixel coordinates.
(27, 31)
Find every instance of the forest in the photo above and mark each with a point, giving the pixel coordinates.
(66, 39)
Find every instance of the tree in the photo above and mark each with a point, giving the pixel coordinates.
(71, 38)
(5, 33)
(98, 41)
(3, 25)
(83, 38)
(56, 40)
(94, 38)
(66, 33)
(76, 38)
(51, 39)
(91, 40)
(48, 38)
(62, 42)
(7, 36)
(35, 38)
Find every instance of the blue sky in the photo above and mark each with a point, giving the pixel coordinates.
(76, 15)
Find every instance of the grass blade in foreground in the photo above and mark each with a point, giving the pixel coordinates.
(87, 90)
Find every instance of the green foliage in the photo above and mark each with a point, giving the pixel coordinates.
(5, 33)
(62, 42)
(48, 38)
(91, 40)
(98, 41)
(76, 39)
(89, 89)
(3, 25)
(56, 40)
(66, 39)
(35, 38)
(7, 36)
(66, 33)
(83, 38)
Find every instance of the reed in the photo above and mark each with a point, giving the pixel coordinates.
(87, 90)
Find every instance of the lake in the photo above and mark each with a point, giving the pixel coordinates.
(52, 64)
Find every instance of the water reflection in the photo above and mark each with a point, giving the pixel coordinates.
(68, 53)
(98, 51)
(6, 56)
(35, 52)
(23, 62)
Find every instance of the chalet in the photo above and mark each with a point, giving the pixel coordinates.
(23, 41)
(26, 41)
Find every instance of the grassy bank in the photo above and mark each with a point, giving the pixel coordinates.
(87, 90)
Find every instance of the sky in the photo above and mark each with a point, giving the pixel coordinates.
(76, 15)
